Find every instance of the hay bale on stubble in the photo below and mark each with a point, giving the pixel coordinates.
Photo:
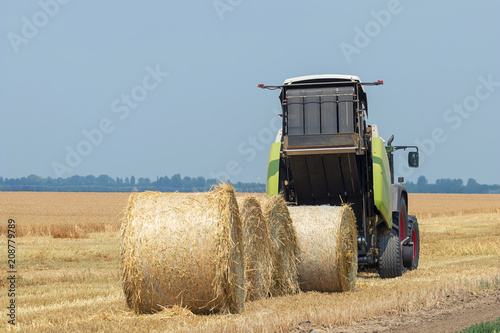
(184, 250)
(257, 249)
(285, 248)
(328, 241)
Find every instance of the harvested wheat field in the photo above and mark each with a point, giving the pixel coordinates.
(47, 213)
(70, 272)
(435, 205)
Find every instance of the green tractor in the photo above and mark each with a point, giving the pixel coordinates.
(326, 154)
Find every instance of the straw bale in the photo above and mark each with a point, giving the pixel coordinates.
(184, 250)
(257, 249)
(328, 241)
(285, 249)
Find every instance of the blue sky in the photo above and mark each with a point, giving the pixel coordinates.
(157, 88)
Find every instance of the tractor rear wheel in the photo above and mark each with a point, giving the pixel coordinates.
(390, 261)
(411, 253)
(400, 218)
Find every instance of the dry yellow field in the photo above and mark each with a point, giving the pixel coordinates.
(73, 284)
(435, 205)
(39, 213)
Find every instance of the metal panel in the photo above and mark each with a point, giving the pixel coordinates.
(350, 174)
(312, 115)
(295, 107)
(320, 110)
(346, 109)
(334, 177)
(317, 179)
(301, 178)
(328, 111)
(325, 179)
(273, 167)
(381, 180)
(322, 140)
(320, 151)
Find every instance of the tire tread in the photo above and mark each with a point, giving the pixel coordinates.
(390, 261)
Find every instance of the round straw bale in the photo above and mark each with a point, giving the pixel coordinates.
(184, 250)
(285, 249)
(328, 241)
(257, 249)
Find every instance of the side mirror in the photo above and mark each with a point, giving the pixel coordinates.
(413, 159)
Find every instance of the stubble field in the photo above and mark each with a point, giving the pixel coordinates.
(68, 262)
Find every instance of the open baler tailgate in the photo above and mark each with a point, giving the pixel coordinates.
(322, 142)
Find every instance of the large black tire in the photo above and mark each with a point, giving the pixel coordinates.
(411, 254)
(400, 219)
(390, 263)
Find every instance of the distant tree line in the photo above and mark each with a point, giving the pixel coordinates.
(447, 185)
(105, 183)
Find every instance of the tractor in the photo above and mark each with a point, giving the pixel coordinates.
(326, 154)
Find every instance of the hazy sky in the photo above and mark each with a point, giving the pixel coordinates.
(153, 88)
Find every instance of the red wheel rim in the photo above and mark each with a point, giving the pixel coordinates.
(402, 228)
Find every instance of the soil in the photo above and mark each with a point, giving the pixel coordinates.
(453, 315)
